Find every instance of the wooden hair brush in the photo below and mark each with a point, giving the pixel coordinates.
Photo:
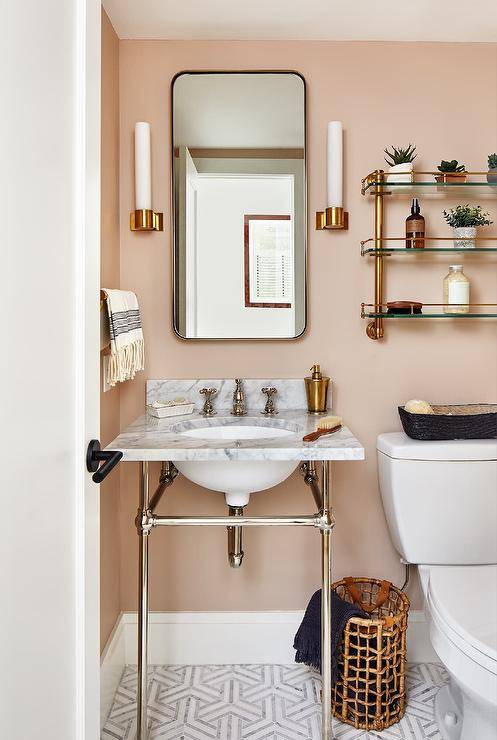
(328, 425)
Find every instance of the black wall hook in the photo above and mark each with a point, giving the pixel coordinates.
(95, 455)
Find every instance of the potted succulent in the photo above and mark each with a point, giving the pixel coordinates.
(464, 221)
(400, 161)
(492, 169)
(451, 171)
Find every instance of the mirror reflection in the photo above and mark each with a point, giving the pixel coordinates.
(239, 205)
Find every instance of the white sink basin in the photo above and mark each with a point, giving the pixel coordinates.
(237, 479)
(235, 431)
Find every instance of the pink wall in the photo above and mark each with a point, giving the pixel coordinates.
(109, 275)
(443, 97)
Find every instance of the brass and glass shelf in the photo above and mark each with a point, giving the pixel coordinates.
(379, 184)
(424, 182)
(431, 311)
(397, 245)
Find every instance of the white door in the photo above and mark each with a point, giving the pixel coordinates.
(49, 647)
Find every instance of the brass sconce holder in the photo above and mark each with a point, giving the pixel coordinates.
(333, 218)
(144, 219)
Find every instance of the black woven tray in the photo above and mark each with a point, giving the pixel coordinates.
(469, 421)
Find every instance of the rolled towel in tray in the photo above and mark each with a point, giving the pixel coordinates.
(126, 336)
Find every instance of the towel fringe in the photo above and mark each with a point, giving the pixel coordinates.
(125, 362)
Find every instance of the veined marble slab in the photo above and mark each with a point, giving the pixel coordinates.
(154, 439)
(290, 395)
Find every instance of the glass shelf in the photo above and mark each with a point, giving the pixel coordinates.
(432, 311)
(424, 182)
(398, 246)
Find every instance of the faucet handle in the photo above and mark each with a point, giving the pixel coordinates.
(269, 408)
(208, 408)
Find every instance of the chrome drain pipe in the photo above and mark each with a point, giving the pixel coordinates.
(311, 478)
(235, 552)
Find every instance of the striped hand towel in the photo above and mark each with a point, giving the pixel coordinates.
(126, 336)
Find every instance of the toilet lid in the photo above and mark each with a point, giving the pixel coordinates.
(401, 447)
(465, 598)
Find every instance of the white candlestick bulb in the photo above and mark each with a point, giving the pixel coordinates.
(335, 164)
(143, 168)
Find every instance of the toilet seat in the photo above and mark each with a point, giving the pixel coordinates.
(462, 603)
(465, 599)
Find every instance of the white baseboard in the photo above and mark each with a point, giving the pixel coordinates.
(203, 638)
(112, 662)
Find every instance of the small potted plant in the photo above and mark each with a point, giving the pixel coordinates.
(464, 221)
(492, 169)
(400, 161)
(451, 171)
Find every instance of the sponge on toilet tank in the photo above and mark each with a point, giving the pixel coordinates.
(415, 406)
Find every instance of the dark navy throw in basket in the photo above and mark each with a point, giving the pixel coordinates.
(307, 641)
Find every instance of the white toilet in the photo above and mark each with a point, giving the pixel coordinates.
(440, 500)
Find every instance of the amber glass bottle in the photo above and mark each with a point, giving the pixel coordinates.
(415, 227)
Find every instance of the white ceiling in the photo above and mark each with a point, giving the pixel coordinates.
(359, 20)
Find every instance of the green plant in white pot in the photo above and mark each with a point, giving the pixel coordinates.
(400, 161)
(465, 221)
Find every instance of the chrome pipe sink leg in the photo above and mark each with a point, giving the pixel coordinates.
(326, 529)
(144, 533)
(235, 551)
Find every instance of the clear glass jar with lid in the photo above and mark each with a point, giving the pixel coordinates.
(456, 291)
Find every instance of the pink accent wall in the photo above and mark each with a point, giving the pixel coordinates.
(443, 97)
(109, 276)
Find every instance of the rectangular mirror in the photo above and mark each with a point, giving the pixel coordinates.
(239, 189)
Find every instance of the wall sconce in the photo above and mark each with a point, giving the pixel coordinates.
(334, 217)
(143, 218)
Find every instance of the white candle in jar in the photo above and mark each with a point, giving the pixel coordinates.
(335, 164)
(143, 169)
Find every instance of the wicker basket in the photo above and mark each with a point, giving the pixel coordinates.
(469, 421)
(370, 693)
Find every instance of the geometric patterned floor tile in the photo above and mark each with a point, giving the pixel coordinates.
(256, 702)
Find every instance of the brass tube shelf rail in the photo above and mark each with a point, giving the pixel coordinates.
(375, 311)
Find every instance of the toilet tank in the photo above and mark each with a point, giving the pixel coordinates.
(440, 499)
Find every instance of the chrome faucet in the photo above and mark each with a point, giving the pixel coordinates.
(238, 399)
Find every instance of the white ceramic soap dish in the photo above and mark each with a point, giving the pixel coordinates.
(176, 407)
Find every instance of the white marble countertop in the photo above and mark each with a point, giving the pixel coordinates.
(152, 439)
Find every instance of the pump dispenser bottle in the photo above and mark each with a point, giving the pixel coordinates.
(316, 388)
(415, 227)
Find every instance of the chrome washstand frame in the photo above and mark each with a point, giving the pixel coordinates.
(147, 520)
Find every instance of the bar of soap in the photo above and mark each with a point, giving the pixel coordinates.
(415, 406)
